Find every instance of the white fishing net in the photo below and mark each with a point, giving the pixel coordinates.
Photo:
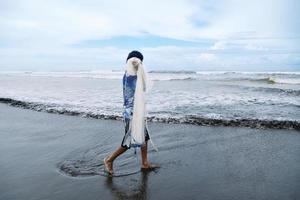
(143, 85)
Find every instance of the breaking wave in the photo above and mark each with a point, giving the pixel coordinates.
(173, 72)
(272, 80)
(188, 119)
(290, 78)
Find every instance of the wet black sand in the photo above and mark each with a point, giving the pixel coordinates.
(50, 156)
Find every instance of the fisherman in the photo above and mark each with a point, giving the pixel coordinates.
(134, 112)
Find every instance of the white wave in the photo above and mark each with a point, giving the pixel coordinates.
(287, 81)
(249, 72)
(278, 77)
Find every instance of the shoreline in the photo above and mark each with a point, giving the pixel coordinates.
(195, 120)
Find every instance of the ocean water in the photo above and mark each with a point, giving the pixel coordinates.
(251, 99)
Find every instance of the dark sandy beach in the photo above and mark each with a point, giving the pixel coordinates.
(196, 162)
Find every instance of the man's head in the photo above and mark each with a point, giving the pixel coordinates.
(136, 54)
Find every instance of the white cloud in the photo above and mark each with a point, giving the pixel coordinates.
(164, 57)
(71, 21)
(37, 34)
(219, 45)
(207, 56)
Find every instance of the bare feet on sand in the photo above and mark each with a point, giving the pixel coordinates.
(148, 166)
(108, 166)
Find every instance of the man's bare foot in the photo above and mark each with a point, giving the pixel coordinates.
(108, 166)
(149, 166)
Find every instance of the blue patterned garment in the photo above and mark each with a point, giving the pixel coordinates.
(129, 83)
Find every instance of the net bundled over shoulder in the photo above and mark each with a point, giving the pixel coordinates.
(129, 87)
(135, 83)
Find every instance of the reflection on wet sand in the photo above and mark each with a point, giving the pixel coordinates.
(134, 189)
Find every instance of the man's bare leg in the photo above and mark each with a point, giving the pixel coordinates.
(144, 154)
(108, 161)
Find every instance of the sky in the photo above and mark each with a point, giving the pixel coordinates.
(202, 35)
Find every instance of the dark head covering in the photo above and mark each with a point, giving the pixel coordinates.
(136, 54)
